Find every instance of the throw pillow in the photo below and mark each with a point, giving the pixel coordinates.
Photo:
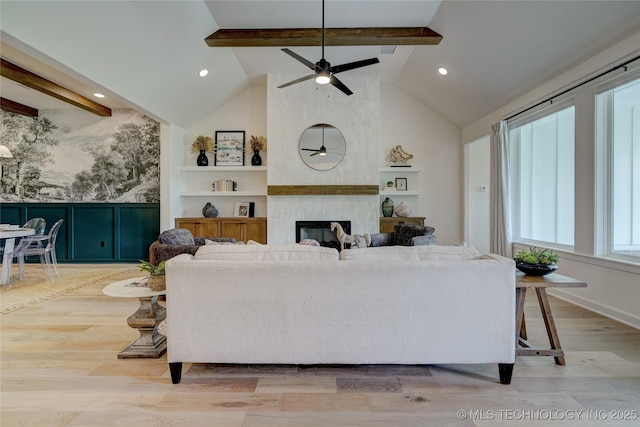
(403, 233)
(176, 236)
(309, 242)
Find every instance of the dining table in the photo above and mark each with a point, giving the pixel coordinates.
(9, 235)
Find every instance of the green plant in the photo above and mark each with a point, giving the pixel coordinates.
(154, 270)
(537, 256)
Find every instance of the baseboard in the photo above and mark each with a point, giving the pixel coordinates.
(604, 310)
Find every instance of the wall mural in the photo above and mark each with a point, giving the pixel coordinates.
(75, 156)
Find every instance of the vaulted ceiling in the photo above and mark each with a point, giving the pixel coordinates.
(146, 54)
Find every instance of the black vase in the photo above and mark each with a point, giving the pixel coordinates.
(202, 159)
(256, 160)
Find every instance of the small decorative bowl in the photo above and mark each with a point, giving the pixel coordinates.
(536, 269)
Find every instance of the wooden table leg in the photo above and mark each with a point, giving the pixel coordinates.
(552, 332)
(521, 294)
(146, 320)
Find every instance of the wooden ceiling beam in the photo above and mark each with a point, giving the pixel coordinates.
(34, 81)
(374, 36)
(16, 107)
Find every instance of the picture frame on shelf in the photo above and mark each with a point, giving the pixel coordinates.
(230, 148)
(244, 209)
(401, 184)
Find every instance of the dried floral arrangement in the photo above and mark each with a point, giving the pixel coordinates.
(258, 143)
(203, 143)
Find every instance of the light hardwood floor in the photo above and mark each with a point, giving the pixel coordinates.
(59, 367)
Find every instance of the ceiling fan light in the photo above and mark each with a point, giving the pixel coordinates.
(323, 153)
(323, 77)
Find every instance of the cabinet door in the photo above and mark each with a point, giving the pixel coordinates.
(236, 228)
(257, 230)
(387, 224)
(200, 227)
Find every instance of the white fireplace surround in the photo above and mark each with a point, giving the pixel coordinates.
(293, 109)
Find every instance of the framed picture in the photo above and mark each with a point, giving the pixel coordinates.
(401, 184)
(229, 148)
(244, 209)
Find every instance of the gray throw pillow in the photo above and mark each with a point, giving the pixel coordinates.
(403, 233)
(176, 236)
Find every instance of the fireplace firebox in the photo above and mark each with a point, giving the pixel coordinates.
(320, 231)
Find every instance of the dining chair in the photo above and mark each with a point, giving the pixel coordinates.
(46, 249)
(39, 225)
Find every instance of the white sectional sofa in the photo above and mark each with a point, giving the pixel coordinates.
(295, 304)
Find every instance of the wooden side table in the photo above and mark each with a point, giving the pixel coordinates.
(541, 283)
(146, 320)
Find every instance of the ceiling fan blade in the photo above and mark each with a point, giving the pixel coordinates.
(314, 154)
(353, 65)
(301, 79)
(310, 149)
(300, 58)
(337, 83)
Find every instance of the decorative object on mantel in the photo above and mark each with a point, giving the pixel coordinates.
(209, 211)
(202, 144)
(258, 143)
(387, 207)
(156, 275)
(355, 240)
(402, 210)
(536, 262)
(399, 158)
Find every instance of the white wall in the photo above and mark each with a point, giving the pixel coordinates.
(614, 287)
(477, 192)
(434, 142)
(436, 146)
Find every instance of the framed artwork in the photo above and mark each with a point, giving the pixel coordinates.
(401, 184)
(229, 148)
(241, 209)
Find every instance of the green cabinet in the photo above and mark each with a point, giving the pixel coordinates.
(94, 232)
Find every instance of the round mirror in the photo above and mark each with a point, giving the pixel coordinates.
(322, 147)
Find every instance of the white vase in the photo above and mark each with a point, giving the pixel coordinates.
(403, 210)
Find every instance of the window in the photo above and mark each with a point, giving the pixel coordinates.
(541, 149)
(618, 119)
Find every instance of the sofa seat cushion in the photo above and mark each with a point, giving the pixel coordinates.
(176, 236)
(267, 253)
(410, 253)
(403, 233)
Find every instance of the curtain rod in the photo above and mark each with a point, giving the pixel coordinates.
(551, 98)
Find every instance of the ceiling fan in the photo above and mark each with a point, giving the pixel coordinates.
(323, 72)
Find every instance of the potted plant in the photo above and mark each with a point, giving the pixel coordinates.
(536, 262)
(258, 143)
(156, 279)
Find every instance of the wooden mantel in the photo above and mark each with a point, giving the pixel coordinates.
(323, 190)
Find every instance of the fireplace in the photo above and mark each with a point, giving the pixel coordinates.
(320, 231)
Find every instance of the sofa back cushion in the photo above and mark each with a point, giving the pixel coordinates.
(266, 253)
(176, 236)
(403, 233)
(410, 253)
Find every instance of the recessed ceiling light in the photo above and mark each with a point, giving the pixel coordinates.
(203, 73)
(98, 95)
(443, 71)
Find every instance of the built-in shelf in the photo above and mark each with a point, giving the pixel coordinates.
(223, 168)
(222, 193)
(398, 193)
(400, 170)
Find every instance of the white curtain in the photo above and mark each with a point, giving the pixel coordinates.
(500, 195)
